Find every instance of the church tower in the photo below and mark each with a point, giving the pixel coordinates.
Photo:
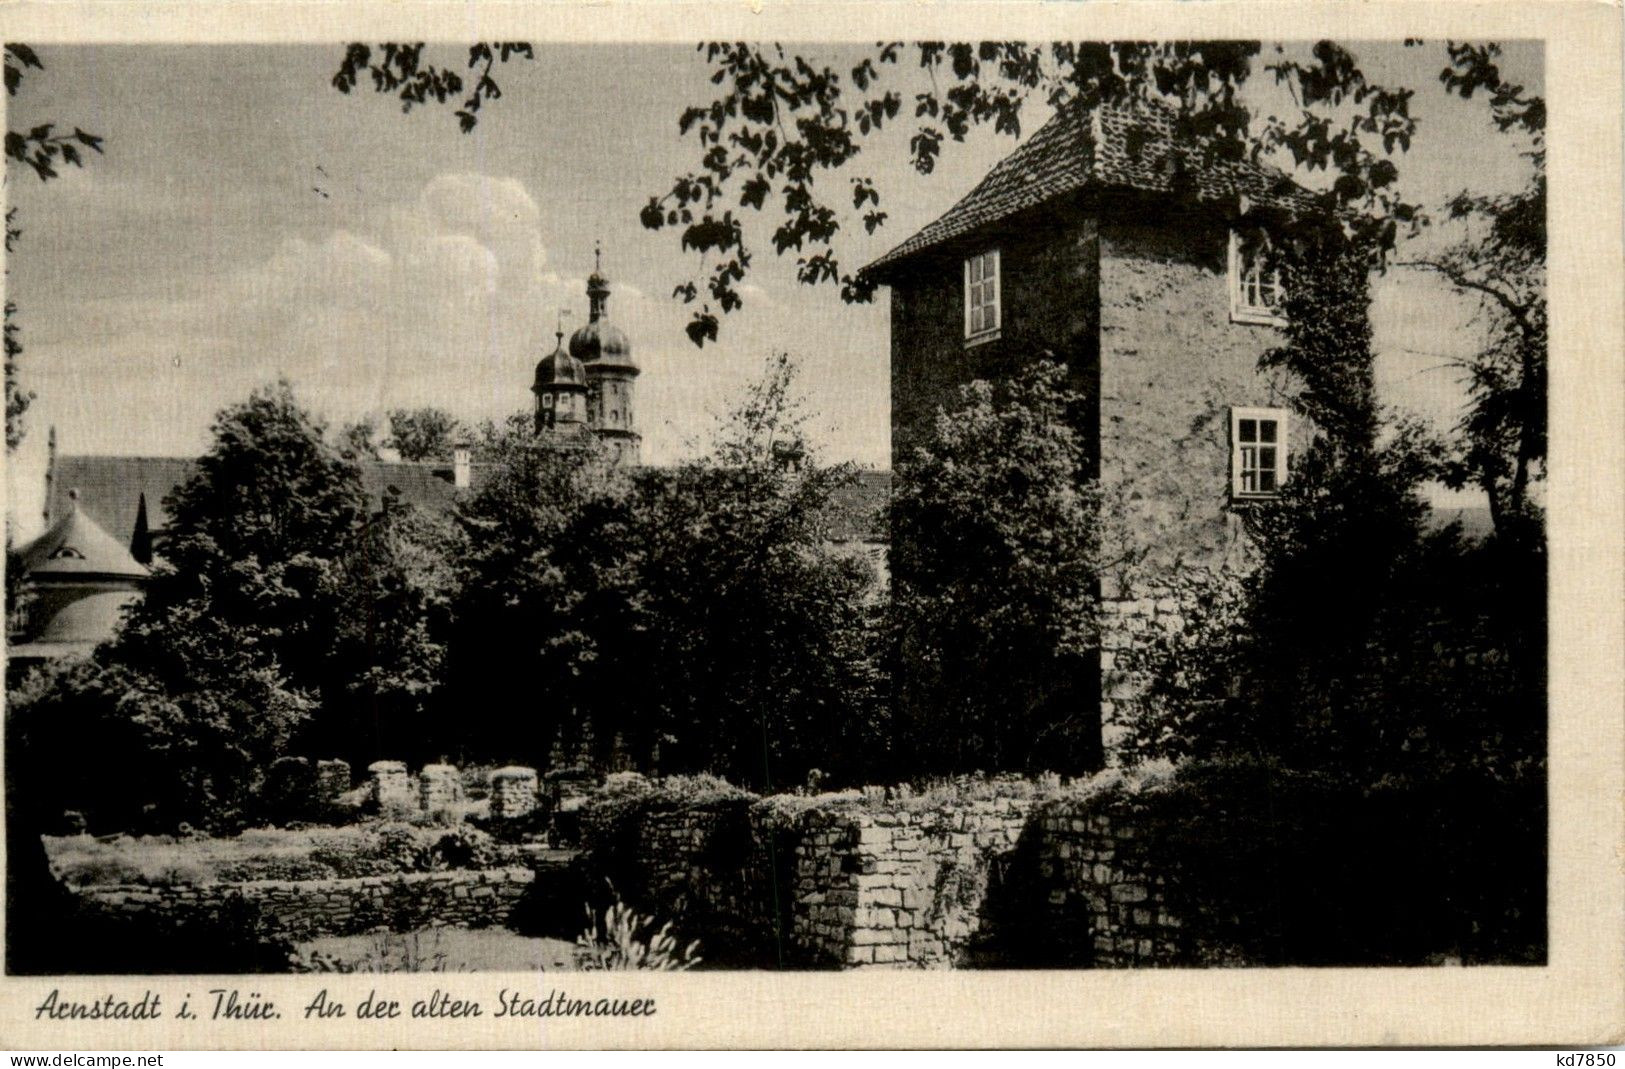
(603, 349)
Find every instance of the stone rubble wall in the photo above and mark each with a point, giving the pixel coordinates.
(721, 867)
(309, 908)
(900, 883)
(1087, 862)
(1142, 623)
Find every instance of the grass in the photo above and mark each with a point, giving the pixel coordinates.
(318, 853)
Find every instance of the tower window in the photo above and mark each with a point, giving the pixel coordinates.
(1255, 279)
(1258, 449)
(982, 312)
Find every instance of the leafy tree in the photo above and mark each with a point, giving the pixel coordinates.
(762, 634)
(356, 440)
(780, 121)
(1502, 261)
(17, 398)
(281, 617)
(426, 433)
(41, 147)
(536, 600)
(394, 584)
(255, 532)
(994, 561)
(693, 611)
(184, 736)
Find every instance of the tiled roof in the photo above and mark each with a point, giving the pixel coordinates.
(110, 488)
(1123, 146)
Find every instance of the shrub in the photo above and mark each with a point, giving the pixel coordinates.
(467, 848)
(623, 939)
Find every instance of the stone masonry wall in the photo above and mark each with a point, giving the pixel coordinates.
(310, 908)
(1049, 264)
(1144, 623)
(1027, 876)
(1098, 890)
(903, 885)
(1172, 365)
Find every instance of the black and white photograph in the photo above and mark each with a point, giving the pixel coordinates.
(540, 506)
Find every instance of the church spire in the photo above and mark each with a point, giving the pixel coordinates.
(597, 286)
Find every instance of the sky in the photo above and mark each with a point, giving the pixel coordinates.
(248, 222)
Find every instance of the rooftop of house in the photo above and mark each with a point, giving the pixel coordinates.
(1128, 146)
(110, 490)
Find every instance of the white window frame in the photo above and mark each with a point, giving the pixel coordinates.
(1241, 309)
(1243, 458)
(973, 299)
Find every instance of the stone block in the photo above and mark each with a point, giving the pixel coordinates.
(439, 787)
(332, 781)
(389, 785)
(513, 792)
(886, 896)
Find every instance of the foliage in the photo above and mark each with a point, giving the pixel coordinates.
(625, 940)
(278, 597)
(393, 587)
(1277, 865)
(426, 433)
(189, 738)
(781, 120)
(694, 611)
(994, 563)
(355, 440)
(41, 147)
(398, 69)
(1501, 260)
(17, 398)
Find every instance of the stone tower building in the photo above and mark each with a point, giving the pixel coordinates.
(605, 352)
(1104, 242)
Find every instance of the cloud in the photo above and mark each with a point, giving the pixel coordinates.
(450, 286)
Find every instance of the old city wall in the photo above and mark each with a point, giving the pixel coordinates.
(309, 908)
(1025, 875)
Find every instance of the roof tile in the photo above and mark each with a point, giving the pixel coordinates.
(1125, 146)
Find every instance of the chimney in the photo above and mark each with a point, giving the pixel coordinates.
(462, 465)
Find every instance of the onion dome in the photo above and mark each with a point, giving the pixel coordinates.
(559, 370)
(600, 341)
